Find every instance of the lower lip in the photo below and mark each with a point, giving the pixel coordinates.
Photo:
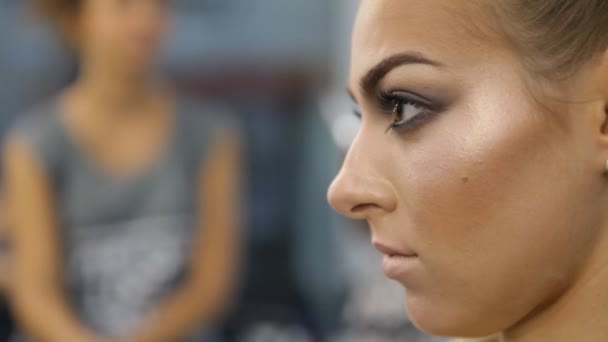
(398, 266)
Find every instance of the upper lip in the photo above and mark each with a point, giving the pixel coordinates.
(392, 251)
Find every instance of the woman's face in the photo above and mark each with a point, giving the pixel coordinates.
(482, 186)
(125, 32)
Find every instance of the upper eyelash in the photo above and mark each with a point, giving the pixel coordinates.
(390, 103)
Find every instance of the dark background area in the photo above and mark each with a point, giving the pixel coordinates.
(308, 275)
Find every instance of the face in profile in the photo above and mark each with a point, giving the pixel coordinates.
(128, 32)
(479, 182)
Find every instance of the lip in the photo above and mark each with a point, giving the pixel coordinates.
(397, 263)
(392, 251)
(399, 267)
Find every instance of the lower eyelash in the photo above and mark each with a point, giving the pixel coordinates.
(413, 123)
(391, 104)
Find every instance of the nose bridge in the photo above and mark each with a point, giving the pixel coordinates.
(361, 186)
(361, 163)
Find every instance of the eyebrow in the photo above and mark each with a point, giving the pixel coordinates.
(370, 81)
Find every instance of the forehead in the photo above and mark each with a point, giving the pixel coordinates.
(452, 32)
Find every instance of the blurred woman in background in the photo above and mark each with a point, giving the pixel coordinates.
(123, 199)
(481, 162)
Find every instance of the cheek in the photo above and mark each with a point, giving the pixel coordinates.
(483, 195)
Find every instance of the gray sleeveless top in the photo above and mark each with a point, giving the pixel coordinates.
(126, 241)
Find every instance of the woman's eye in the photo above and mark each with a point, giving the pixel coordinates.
(406, 110)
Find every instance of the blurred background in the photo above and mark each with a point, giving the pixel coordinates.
(305, 274)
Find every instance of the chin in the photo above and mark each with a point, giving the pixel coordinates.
(438, 319)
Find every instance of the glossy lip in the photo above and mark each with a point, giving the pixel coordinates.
(397, 263)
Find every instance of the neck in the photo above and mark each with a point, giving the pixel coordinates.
(114, 88)
(579, 314)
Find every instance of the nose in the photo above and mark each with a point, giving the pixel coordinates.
(359, 193)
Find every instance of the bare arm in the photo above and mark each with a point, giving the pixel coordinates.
(204, 294)
(36, 293)
(5, 275)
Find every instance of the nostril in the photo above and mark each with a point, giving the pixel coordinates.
(360, 208)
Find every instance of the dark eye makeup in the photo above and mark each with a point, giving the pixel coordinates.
(408, 110)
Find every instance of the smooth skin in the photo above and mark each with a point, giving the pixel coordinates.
(121, 118)
(495, 187)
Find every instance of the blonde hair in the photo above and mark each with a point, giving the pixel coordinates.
(555, 37)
